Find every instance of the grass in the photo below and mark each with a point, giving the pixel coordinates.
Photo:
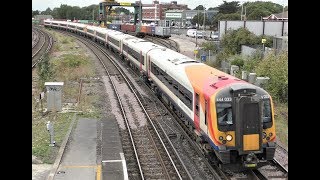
(41, 137)
(69, 64)
(281, 118)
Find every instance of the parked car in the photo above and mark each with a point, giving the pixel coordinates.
(200, 34)
(191, 33)
(213, 36)
(191, 27)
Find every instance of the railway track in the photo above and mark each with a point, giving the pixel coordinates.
(146, 148)
(43, 46)
(35, 37)
(269, 170)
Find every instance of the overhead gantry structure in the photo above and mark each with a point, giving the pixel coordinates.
(105, 10)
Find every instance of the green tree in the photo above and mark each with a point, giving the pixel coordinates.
(119, 10)
(55, 14)
(200, 7)
(256, 10)
(199, 19)
(34, 13)
(228, 7)
(233, 40)
(206, 46)
(48, 11)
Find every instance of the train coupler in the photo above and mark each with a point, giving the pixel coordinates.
(250, 161)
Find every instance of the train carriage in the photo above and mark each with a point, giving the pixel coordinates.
(232, 118)
(135, 50)
(114, 41)
(63, 25)
(81, 29)
(47, 23)
(91, 32)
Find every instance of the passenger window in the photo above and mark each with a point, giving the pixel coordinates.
(266, 111)
(224, 113)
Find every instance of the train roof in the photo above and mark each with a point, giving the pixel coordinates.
(140, 44)
(118, 35)
(173, 63)
(104, 31)
(81, 25)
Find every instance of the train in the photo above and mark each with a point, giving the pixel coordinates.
(231, 120)
(156, 31)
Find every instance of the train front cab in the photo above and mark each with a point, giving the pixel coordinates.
(245, 127)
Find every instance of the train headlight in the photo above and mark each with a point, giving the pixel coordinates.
(220, 138)
(264, 135)
(270, 134)
(229, 137)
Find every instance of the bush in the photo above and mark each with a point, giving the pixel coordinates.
(45, 71)
(276, 68)
(233, 40)
(220, 57)
(206, 46)
(238, 61)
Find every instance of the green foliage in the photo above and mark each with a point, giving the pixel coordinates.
(229, 7)
(200, 7)
(233, 40)
(73, 61)
(276, 68)
(75, 12)
(45, 71)
(199, 19)
(119, 10)
(238, 61)
(48, 11)
(36, 12)
(256, 10)
(251, 63)
(210, 46)
(222, 55)
(257, 14)
(65, 40)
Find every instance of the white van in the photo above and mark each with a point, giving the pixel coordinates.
(191, 33)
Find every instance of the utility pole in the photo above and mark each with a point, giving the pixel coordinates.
(93, 14)
(204, 18)
(140, 14)
(198, 18)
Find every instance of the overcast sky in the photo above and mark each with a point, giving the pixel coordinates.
(44, 4)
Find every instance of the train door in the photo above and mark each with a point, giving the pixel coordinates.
(148, 65)
(206, 115)
(141, 59)
(197, 111)
(121, 47)
(204, 119)
(248, 124)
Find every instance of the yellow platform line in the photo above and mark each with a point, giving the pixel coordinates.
(98, 172)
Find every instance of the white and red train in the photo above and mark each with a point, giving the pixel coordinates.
(232, 120)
